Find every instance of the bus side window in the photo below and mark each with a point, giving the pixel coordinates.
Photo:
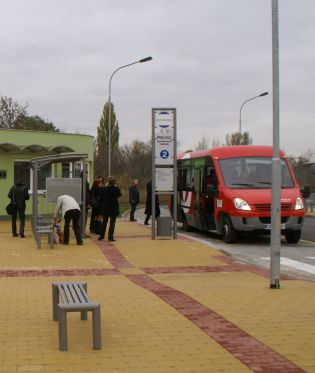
(209, 178)
(184, 179)
(196, 185)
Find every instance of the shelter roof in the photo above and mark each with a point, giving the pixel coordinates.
(8, 147)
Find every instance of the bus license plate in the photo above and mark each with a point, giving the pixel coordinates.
(268, 226)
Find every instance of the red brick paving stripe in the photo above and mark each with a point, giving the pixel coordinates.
(192, 269)
(112, 254)
(254, 354)
(57, 272)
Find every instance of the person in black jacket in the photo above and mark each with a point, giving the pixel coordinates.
(109, 207)
(18, 195)
(148, 204)
(87, 203)
(133, 198)
(95, 205)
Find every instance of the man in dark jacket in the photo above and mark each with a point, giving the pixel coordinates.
(87, 202)
(133, 198)
(148, 204)
(18, 195)
(109, 207)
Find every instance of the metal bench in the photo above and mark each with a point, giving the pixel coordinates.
(72, 297)
(43, 230)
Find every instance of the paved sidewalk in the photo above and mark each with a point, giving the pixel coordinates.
(167, 306)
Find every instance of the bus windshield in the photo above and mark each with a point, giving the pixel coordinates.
(252, 172)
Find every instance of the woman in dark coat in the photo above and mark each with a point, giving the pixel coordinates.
(148, 204)
(18, 195)
(109, 207)
(96, 205)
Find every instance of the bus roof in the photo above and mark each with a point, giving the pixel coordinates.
(231, 152)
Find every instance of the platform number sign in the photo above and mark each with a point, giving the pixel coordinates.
(164, 154)
(164, 135)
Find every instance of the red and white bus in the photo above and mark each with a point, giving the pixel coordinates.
(228, 190)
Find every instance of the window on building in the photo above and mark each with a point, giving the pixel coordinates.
(66, 170)
(22, 172)
(45, 171)
(70, 170)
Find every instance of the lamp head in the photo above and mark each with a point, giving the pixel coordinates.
(145, 59)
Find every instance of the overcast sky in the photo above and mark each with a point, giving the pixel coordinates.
(209, 56)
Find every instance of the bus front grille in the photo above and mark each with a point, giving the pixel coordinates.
(267, 207)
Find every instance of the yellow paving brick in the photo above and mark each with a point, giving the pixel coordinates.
(140, 332)
(20, 253)
(167, 253)
(282, 319)
(132, 337)
(131, 271)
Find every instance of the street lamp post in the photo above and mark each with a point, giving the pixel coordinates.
(109, 108)
(240, 122)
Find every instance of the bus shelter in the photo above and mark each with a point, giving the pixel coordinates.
(41, 225)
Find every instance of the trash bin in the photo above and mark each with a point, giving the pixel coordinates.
(164, 226)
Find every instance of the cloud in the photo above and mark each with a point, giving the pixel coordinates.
(208, 57)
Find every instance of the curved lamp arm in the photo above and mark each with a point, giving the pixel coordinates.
(109, 108)
(240, 121)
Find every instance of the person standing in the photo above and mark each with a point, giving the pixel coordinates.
(148, 204)
(95, 205)
(69, 208)
(18, 195)
(87, 201)
(133, 198)
(109, 208)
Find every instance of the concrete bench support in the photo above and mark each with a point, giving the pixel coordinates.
(72, 297)
(44, 230)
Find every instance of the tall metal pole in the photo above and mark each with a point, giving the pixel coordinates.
(240, 121)
(276, 163)
(110, 111)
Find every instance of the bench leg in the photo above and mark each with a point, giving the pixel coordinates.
(51, 239)
(62, 326)
(38, 240)
(55, 301)
(84, 314)
(97, 333)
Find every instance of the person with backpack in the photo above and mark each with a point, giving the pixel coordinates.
(18, 195)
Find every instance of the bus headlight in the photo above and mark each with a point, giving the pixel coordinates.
(240, 204)
(299, 204)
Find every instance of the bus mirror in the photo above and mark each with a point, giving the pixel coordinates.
(306, 191)
(211, 191)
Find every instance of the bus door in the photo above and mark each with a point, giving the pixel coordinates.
(197, 190)
(207, 199)
(185, 195)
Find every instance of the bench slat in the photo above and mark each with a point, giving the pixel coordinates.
(72, 293)
(78, 293)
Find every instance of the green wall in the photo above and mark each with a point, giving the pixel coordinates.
(79, 143)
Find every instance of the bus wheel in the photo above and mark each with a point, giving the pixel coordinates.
(229, 234)
(293, 236)
(186, 226)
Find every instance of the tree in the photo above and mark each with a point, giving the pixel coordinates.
(102, 139)
(36, 123)
(215, 143)
(14, 116)
(304, 174)
(10, 112)
(238, 139)
(203, 144)
(133, 161)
